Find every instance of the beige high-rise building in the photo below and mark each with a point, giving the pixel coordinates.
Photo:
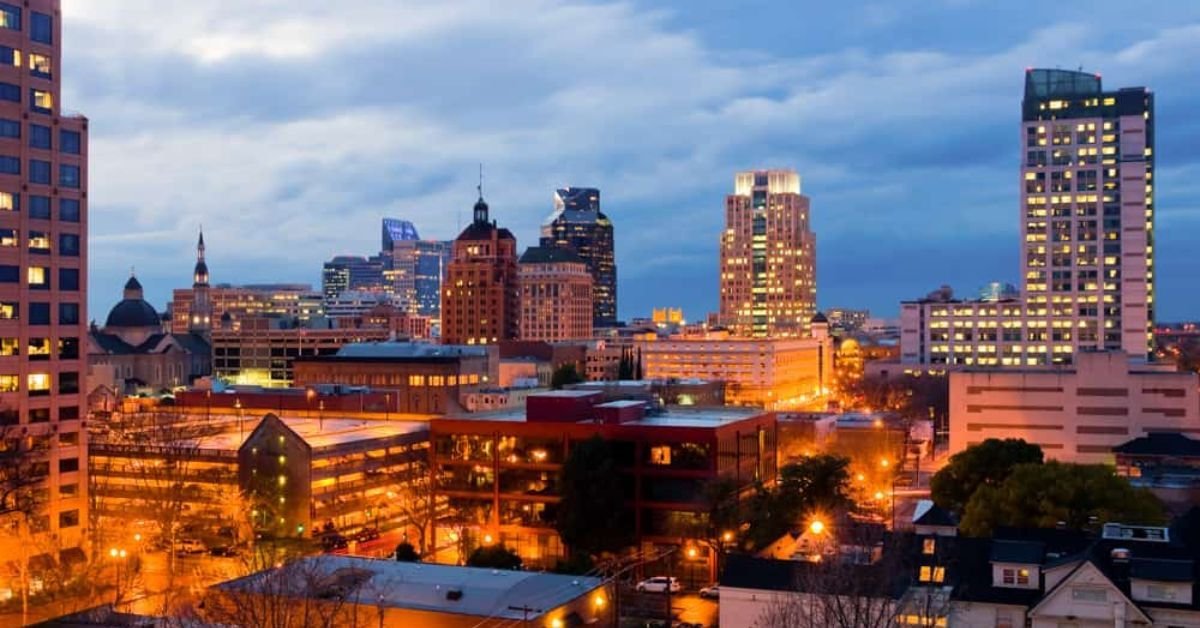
(556, 295)
(768, 257)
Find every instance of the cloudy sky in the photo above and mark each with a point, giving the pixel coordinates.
(288, 128)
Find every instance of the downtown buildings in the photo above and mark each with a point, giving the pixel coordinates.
(1087, 245)
(556, 295)
(43, 294)
(768, 257)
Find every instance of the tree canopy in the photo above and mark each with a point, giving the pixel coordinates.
(592, 516)
(495, 557)
(565, 375)
(816, 483)
(987, 464)
(1078, 496)
(406, 553)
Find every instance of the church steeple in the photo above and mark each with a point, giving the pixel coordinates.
(200, 317)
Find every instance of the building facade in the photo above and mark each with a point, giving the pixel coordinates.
(556, 295)
(418, 268)
(43, 286)
(1087, 225)
(1075, 414)
(768, 257)
(578, 224)
(234, 303)
(769, 373)
(480, 303)
(261, 349)
(353, 272)
(499, 470)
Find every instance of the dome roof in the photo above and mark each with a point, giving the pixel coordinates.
(133, 313)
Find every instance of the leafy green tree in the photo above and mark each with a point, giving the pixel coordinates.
(987, 464)
(592, 516)
(494, 557)
(1079, 496)
(565, 375)
(820, 483)
(406, 553)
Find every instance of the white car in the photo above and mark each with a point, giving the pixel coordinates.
(711, 593)
(659, 584)
(189, 546)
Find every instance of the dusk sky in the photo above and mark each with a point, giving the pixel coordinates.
(289, 128)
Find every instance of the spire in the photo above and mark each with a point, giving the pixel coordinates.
(481, 207)
(200, 274)
(200, 246)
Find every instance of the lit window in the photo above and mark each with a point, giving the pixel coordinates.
(10, 383)
(39, 382)
(10, 346)
(660, 455)
(38, 277)
(10, 16)
(41, 101)
(9, 202)
(39, 65)
(932, 574)
(10, 237)
(928, 546)
(39, 241)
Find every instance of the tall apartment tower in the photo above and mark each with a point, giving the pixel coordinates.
(201, 314)
(556, 295)
(1087, 210)
(578, 224)
(768, 257)
(479, 297)
(43, 287)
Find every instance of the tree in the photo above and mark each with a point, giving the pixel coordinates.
(416, 503)
(24, 468)
(406, 553)
(817, 483)
(565, 375)
(1078, 496)
(592, 516)
(987, 464)
(494, 557)
(625, 367)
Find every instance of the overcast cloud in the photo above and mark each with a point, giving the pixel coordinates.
(289, 128)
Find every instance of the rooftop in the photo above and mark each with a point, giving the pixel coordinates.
(227, 435)
(420, 586)
(674, 416)
(405, 350)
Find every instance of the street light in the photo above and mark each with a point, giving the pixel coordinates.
(817, 526)
(118, 556)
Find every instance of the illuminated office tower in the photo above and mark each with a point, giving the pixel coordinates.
(768, 257)
(479, 296)
(43, 291)
(556, 295)
(578, 224)
(1087, 211)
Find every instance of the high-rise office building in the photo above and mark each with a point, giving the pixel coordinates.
(416, 267)
(556, 295)
(397, 230)
(768, 257)
(578, 224)
(479, 296)
(1087, 238)
(43, 291)
(353, 272)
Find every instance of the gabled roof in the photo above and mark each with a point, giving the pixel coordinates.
(1160, 444)
(111, 344)
(1091, 571)
(1161, 569)
(934, 515)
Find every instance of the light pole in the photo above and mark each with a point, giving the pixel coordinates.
(237, 404)
(118, 556)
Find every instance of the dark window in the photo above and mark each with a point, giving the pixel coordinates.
(39, 415)
(10, 56)
(41, 28)
(10, 274)
(68, 176)
(68, 313)
(39, 313)
(68, 244)
(68, 209)
(68, 279)
(68, 518)
(39, 207)
(39, 172)
(70, 142)
(39, 136)
(10, 16)
(10, 92)
(68, 383)
(10, 165)
(68, 465)
(68, 349)
(68, 413)
(10, 128)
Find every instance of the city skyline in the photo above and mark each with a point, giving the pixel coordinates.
(942, 172)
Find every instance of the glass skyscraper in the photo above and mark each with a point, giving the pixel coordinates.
(578, 224)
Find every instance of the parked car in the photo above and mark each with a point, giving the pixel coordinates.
(331, 542)
(189, 546)
(366, 534)
(223, 549)
(659, 584)
(711, 592)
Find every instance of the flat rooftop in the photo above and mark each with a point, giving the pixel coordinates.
(406, 350)
(674, 416)
(420, 586)
(228, 435)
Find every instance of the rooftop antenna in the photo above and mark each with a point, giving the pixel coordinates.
(480, 186)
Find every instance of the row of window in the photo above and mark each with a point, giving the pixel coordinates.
(38, 384)
(40, 100)
(39, 313)
(40, 348)
(40, 241)
(39, 171)
(38, 277)
(41, 136)
(39, 64)
(39, 206)
(41, 25)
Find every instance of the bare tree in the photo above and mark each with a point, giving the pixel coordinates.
(24, 468)
(415, 502)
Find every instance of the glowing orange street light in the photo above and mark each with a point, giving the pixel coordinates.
(691, 552)
(817, 526)
(860, 477)
(727, 537)
(884, 463)
(487, 539)
(878, 495)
